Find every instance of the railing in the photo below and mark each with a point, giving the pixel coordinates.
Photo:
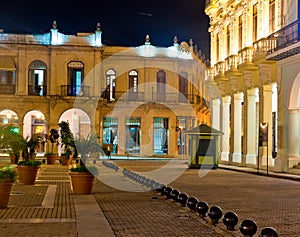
(231, 62)
(219, 68)
(69, 90)
(262, 47)
(7, 89)
(37, 90)
(246, 55)
(151, 96)
(286, 36)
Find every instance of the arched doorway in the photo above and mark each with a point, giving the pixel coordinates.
(80, 123)
(35, 125)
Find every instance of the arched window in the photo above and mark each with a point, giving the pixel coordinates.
(133, 85)
(75, 79)
(183, 86)
(161, 85)
(37, 83)
(110, 92)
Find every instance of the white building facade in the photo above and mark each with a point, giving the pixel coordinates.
(255, 64)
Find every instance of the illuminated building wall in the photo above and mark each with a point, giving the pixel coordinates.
(254, 62)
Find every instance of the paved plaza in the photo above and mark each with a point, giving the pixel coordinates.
(121, 207)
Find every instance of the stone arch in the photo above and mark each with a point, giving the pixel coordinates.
(294, 98)
(79, 120)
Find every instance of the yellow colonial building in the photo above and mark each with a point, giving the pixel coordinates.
(255, 64)
(138, 100)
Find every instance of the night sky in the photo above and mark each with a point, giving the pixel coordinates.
(123, 23)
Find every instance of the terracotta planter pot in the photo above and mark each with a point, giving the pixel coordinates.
(51, 160)
(5, 189)
(82, 182)
(27, 174)
(66, 161)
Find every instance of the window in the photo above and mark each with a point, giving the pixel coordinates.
(110, 91)
(7, 75)
(228, 40)
(37, 78)
(161, 85)
(133, 127)
(75, 75)
(160, 135)
(183, 87)
(110, 133)
(272, 16)
(240, 33)
(254, 22)
(217, 48)
(133, 85)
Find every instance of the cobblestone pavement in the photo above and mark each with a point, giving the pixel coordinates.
(270, 202)
(30, 214)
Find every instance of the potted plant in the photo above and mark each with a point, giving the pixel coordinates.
(83, 175)
(53, 138)
(12, 140)
(8, 175)
(67, 143)
(27, 170)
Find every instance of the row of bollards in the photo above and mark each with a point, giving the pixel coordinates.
(110, 165)
(247, 227)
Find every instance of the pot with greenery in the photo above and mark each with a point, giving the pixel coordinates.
(82, 179)
(53, 138)
(27, 171)
(83, 174)
(67, 143)
(8, 175)
(13, 141)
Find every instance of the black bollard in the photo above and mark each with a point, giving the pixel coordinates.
(191, 203)
(230, 219)
(182, 199)
(202, 208)
(168, 191)
(268, 232)
(174, 194)
(248, 227)
(215, 214)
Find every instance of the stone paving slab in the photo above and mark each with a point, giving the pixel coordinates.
(44, 209)
(269, 201)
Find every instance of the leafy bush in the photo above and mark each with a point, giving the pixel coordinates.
(30, 163)
(8, 174)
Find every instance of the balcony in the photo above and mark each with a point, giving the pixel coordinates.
(219, 68)
(168, 97)
(262, 47)
(285, 42)
(7, 89)
(246, 55)
(231, 63)
(37, 90)
(69, 90)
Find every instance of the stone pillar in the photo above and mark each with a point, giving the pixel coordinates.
(251, 127)
(225, 128)
(237, 128)
(267, 118)
(216, 114)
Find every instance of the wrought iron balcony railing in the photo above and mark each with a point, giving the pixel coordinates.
(285, 37)
(7, 89)
(37, 90)
(69, 90)
(168, 97)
